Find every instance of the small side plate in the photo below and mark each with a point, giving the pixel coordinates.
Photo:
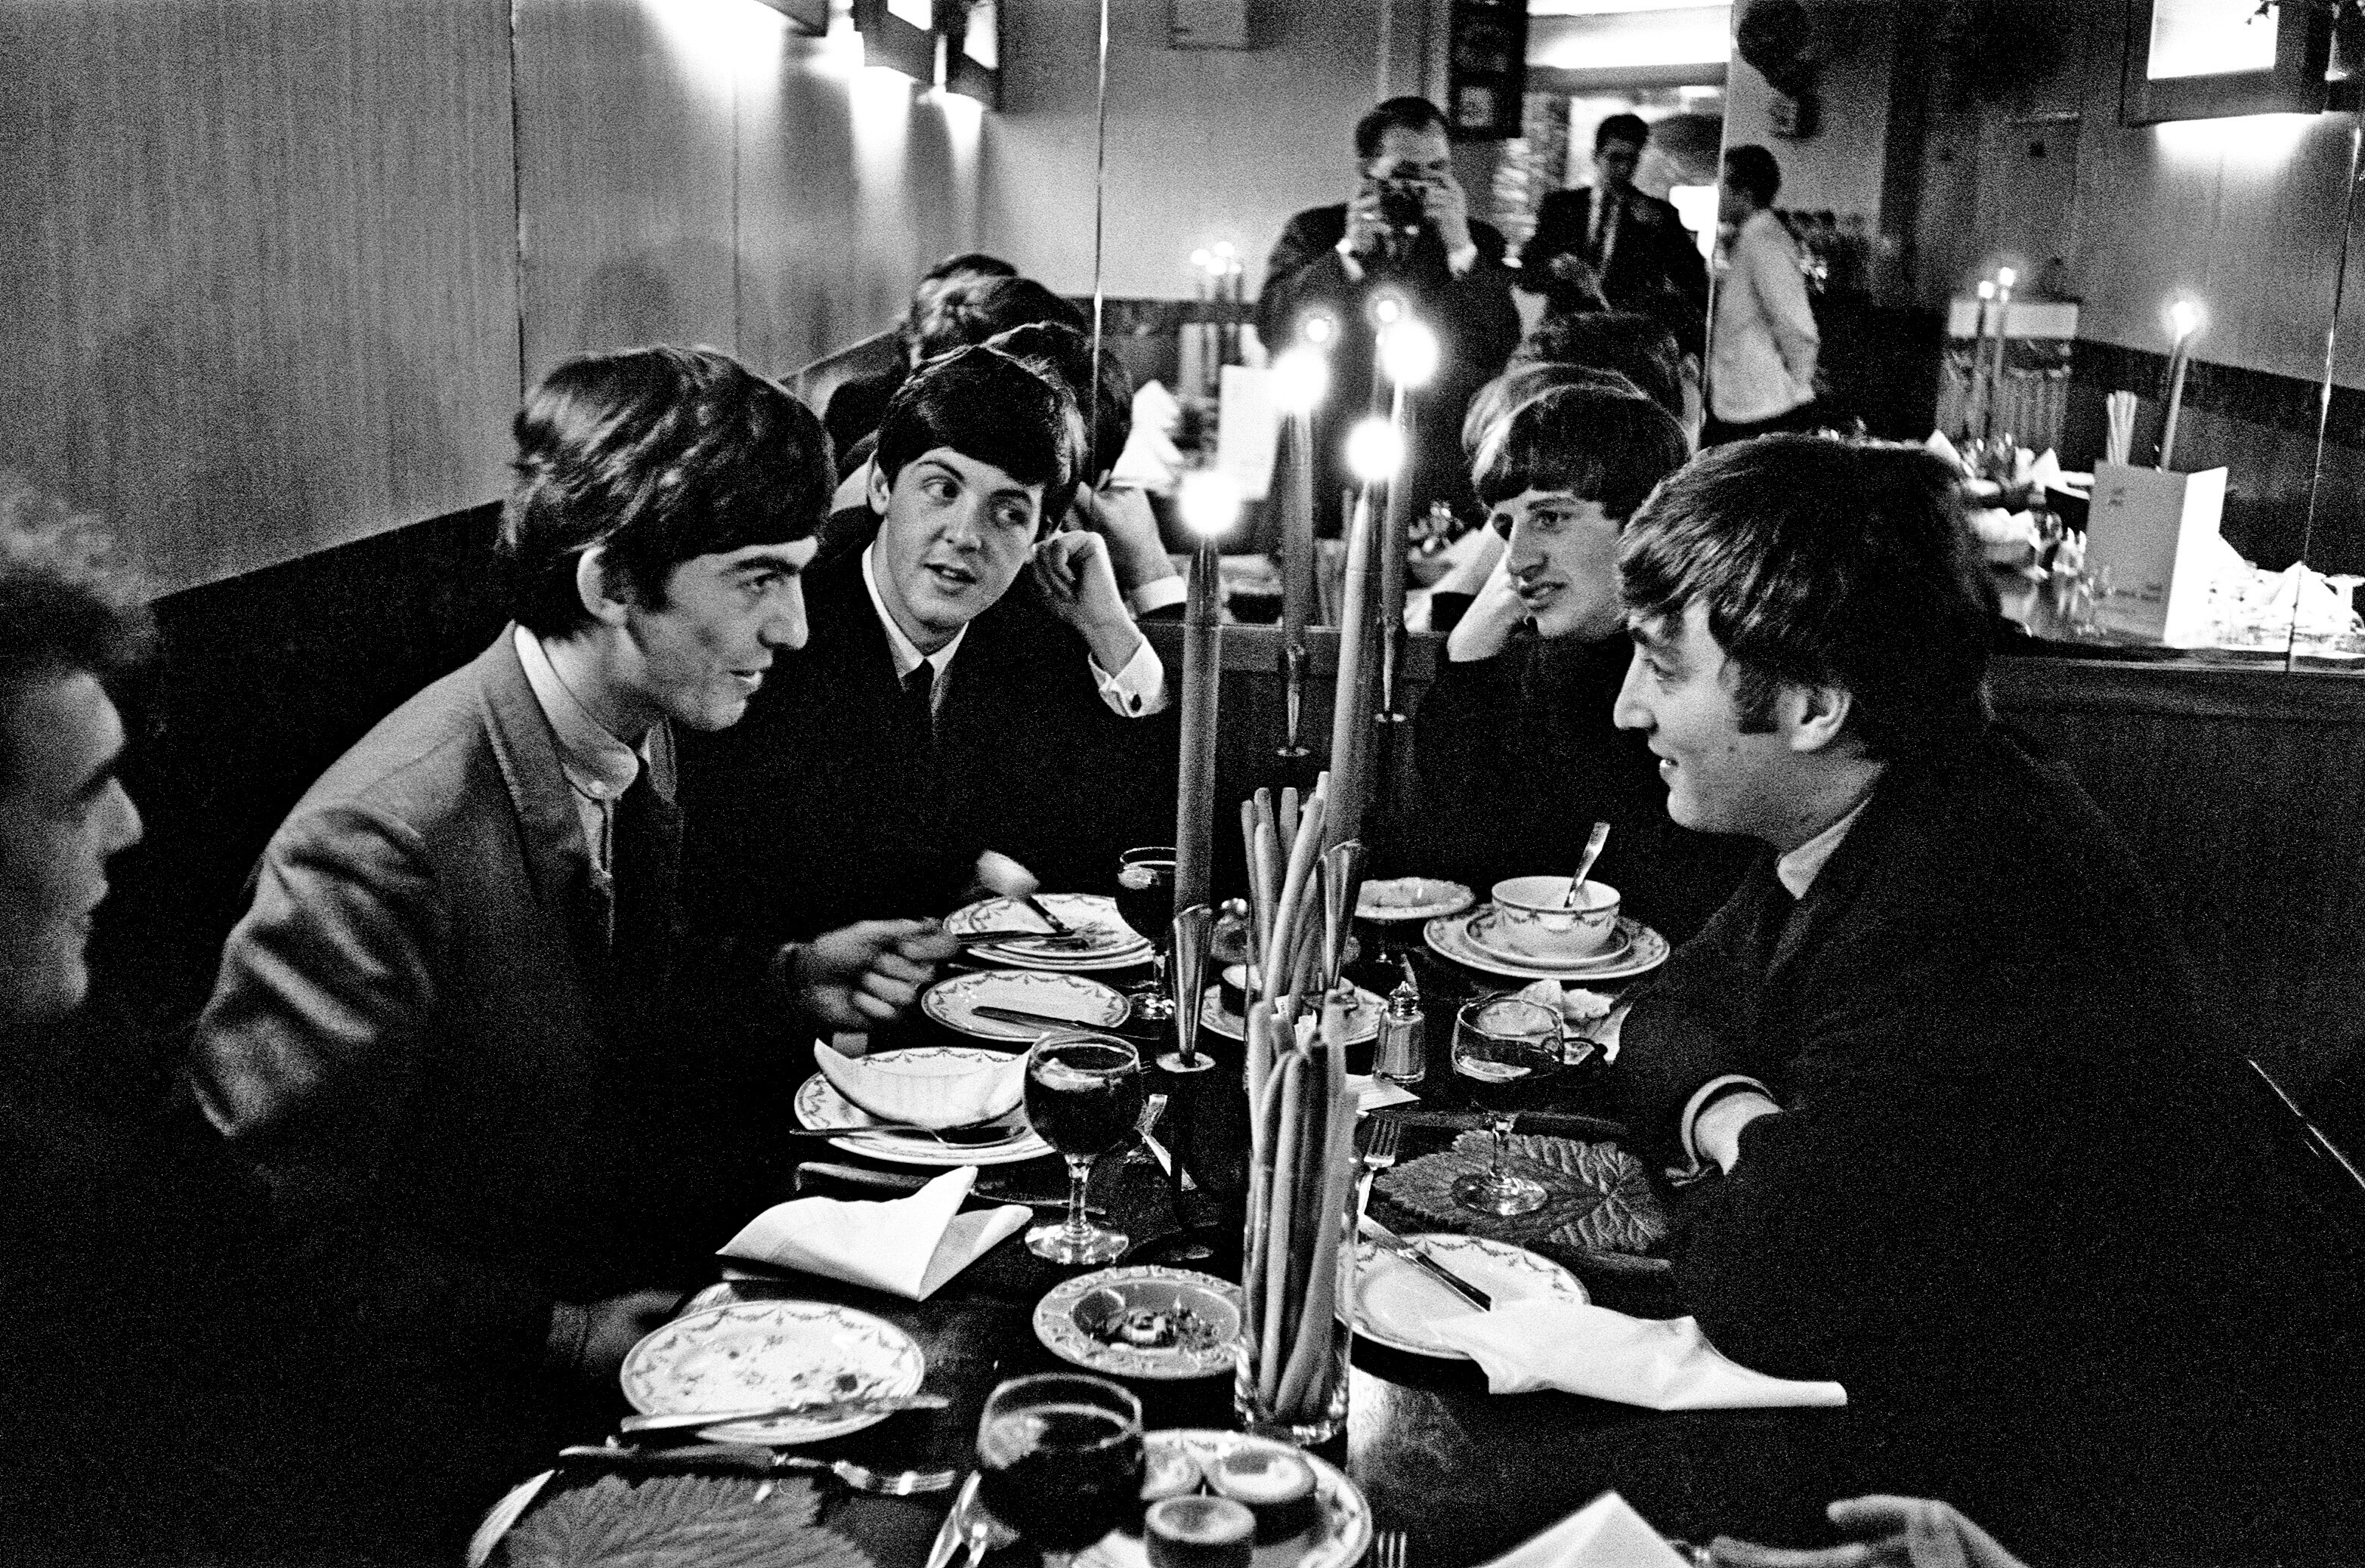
(1065, 1320)
(771, 1352)
(1395, 1302)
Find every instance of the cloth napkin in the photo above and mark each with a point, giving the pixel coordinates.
(1605, 1533)
(906, 1247)
(1659, 1365)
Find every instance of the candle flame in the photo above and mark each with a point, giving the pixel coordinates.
(1408, 352)
(1386, 309)
(1319, 328)
(2006, 277)
(1987, 288)
(1209, 502)
(2184, 318)
(1375, 448)
(1301, 379)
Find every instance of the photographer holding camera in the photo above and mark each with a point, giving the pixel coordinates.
(1407, 230)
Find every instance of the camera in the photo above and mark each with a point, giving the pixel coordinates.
(1404, 204)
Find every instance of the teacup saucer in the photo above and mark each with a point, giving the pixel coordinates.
(1488, 938)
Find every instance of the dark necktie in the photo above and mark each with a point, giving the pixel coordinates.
(1604, 227)
(919, 702)
(641, 869)
(1773, 917)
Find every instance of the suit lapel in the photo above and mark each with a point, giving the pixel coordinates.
(549, 833)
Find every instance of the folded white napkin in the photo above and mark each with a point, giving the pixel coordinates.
(1605, 1533)
(1946, 449)
(907, 1247)
(1656, 1363)
(1371, 1094)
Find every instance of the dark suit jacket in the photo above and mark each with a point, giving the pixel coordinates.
(1655, 264)
(415, 1034)
(1517, 758)
(2017, 1200)
(1477, 324)
(827, 805)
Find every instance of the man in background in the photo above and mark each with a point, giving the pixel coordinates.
(1407, 231)
(856, 405)
(1611, 242)
(1761, 369)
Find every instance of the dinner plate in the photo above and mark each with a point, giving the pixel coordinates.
(819, 1105)
(1411, 898)
(1341, 1536)
(954, 1002)
(1363, 1024)
(1201, 1311)
(1448, 936)
(1115, 944)
(1396, 1304)
(1484, 934)
(771, 1352)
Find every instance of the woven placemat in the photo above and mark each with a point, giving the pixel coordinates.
(1600, 1211)
(679, 1521)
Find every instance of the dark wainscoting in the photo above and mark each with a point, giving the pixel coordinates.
(267, 679)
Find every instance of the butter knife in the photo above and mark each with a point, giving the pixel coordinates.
(1032, 1020)
(955, 1533)
(1389, 1241)
(1034, 907)
(828, 1410)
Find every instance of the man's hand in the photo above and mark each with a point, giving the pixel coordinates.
(1073, 573)
(1892, 1532)
(1491, 618)
(616, 1324)
(1122, 519)
(1447, 206)
(1367, 230)
(866, 974)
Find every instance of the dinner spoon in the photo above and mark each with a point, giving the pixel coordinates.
(1593, 843)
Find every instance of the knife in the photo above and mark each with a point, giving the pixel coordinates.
(955, 1526)
(1032, 1020)
(1034, 907)
(752, 1457)
(1389, 1241)
(825, 1410)
(898, 1182)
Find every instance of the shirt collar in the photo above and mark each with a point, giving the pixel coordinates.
(1798, 871)
(901, 649)
(595, 762)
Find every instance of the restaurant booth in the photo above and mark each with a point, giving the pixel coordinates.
(279, 274)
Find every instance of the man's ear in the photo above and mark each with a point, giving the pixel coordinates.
(881, 489)
(605, 602)
(1816, 716)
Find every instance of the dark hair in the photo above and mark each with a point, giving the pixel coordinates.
(1396, 114)
(990, 407)
(1068, 354)
(660, 454)
(1751, 170)
(970, 263)
(1621, 127)
(1825, 562)
(1641, 348)
(1493, 403)
(1599, 444)
(972, 312)
(965, 273)
(69, 603)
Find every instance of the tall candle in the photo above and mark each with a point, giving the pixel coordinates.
(1974, 397)
(1408, 354)
(1373, 454)
(1209, 504)
(1301, 377)
(2186, 316)
(2005, 278)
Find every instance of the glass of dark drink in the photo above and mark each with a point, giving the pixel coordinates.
(1145, 897)
(1504, 1049)
(1083, 1094)
(1059, 1460)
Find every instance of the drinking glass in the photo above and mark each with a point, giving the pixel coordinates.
(1145, 897)
(1083, 1093)
(1503, 1047)
(1059, 1460)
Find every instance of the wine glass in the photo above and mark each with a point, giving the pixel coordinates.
(1503, 1047)
(1145, 897)
(1059, 1460)
(1083, 1093)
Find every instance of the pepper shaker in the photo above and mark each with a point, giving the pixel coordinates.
(1403, 1055)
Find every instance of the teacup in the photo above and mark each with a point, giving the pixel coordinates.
(1530, 917)
(1234, 987)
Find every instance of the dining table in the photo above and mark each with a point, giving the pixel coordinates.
(1465, 1474)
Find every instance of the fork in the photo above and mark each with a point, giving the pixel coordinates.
(1389, 1546)
(1379, 1154)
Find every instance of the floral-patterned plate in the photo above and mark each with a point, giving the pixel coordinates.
(818, 1104)
(1338, 1541)
(1196, 1322)
(771, 1352)
(1087, 1004)
(1448, 935)
(1107, 941)
(1395, 1302)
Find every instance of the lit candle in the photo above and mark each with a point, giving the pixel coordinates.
(1210, 503)
(1408, 354)
(1375, 452)
(2005, 278)
(2184, 318)
(1301, 379)
(1975, 400)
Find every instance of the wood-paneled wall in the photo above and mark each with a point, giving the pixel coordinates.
(274, 272)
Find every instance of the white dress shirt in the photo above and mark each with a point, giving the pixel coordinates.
(1134, 692)
(599, 767)
(1762, 357)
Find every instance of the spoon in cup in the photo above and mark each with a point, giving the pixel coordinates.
(1593, 843)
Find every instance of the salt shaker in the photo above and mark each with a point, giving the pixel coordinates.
(1403, 1054)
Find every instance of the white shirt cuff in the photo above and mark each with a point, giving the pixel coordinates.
(1688, 1126)
(1157, 594)
(1347, 260)
(1140, 689)
(1462, 260)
